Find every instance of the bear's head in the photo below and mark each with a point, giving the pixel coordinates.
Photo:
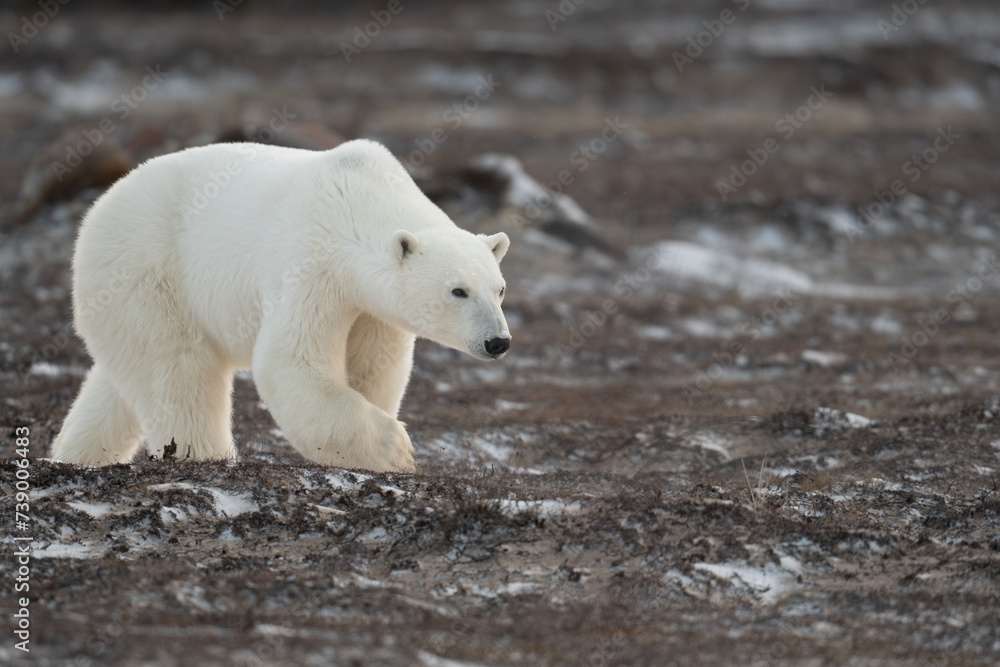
(449, 288)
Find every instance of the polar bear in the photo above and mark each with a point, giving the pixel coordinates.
(315, 270)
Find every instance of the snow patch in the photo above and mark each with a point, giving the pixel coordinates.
(342, 480)
(751, 277)
(511, 406)
(823, 358)
(191, 596)
(170, 515)
(430, 660)
(654, 332)
(687, 262)
(226, 503)
(545, 508)
(330, 510)
(769, 583)
(886, 324)
(494, 450)
(712, 443)
(56, 550)
(96, 510)
(47, 369)
(824, 419)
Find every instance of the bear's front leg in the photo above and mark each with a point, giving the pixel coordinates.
(322, 417)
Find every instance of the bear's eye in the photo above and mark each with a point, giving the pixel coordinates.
(502, 290)
(459, 292)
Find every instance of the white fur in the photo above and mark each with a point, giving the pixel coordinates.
(317, 270)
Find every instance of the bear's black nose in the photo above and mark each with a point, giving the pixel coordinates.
(497, 346)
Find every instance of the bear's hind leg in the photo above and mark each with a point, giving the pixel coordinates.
(100, 428)
(186, 400)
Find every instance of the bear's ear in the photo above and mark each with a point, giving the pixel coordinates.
(498, 243)
(403, 244)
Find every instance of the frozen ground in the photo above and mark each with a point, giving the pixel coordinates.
(755, 431)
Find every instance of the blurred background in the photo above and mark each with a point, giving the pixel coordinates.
(747, 232)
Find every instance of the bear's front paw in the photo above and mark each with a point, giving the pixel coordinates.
(393, 451)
